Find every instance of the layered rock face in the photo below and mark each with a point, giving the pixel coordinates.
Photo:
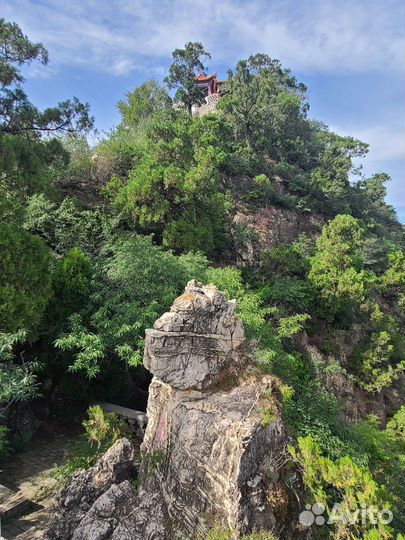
(265, 228)
(214, 447)
(198, 342)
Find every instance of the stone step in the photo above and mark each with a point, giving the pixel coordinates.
(5, 493)
(13, 503)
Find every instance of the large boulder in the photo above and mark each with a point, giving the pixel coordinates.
(216, 456)
(106, 513)
(214, 447)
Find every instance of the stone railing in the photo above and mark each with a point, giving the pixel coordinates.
(136, 420)
(209, 106)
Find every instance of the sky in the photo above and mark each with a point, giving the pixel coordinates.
(350, 54)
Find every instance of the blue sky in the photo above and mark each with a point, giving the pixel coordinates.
(349, 53)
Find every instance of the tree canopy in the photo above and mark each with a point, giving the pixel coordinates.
(17, 114)
(187, 64)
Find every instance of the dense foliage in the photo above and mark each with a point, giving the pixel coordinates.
(96, 243)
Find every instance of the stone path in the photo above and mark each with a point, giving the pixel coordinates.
(28, 473)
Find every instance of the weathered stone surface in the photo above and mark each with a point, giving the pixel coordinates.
(103, 517)
(213, 453)
(265, 228)
(212, 457)
(76, 499)
(198, 343)
(147, 520)
(220, 460)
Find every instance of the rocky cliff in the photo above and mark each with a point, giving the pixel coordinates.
(255, 231)
(214, 448)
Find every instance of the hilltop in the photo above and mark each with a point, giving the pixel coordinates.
(254, 197)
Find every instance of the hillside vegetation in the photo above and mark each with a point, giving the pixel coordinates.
(96, 243)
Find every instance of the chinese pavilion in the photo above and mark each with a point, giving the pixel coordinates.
(209, 84)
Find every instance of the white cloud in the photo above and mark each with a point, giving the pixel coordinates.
(122, 66)
(386, 142)
(120, 36)
(39, 71)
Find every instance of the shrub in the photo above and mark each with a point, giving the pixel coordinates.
(289, 291)
(393, 280)
(342, 481)
(72, 285)
(140, 282)
(396, 425)
(378, 371)
(259, 534)
(18, 381)
(102, 430)
(24, 279)
(289, 326)
(337, 266)
(285, 260)
(220, 532)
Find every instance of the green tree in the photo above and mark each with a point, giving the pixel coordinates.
(266, 109)
(140, 282)
(345, 482)
(18, 381)
(68, 225)
(26, 167)
(393, 279)
(25, 286)
(379, 368)
(72, 286)
(331, 175)
(142, 103)
(187, 63)
(17, 114)
(16, 50)
(380, 360)
(337, 267)
(28, 162)
(174, 190)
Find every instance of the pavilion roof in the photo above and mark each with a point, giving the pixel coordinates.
(202, 77)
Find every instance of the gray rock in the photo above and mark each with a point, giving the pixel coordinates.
(102, 519)
(198, 343)
(74, 501)
(147, 521)
(210, 455)
(210, 450)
